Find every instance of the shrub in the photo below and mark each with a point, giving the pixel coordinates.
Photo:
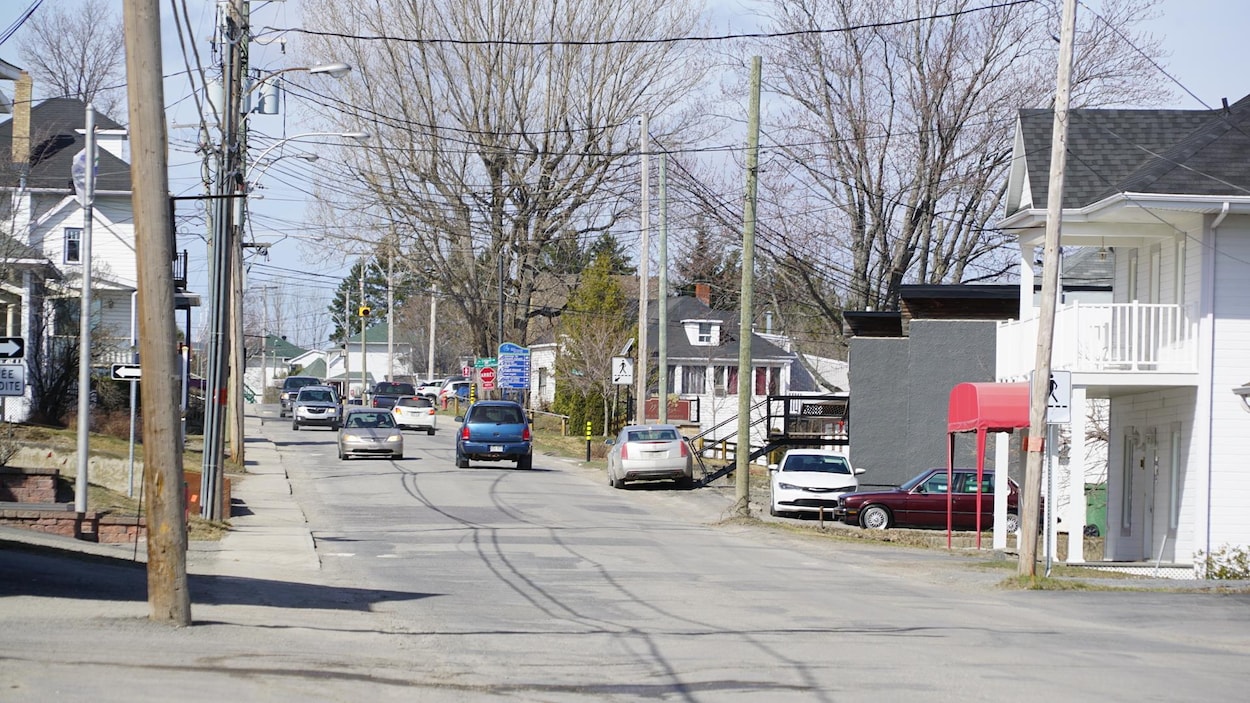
(1228, 563)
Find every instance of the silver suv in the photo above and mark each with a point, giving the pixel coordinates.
(316, 405)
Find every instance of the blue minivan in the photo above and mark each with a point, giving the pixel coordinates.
(494, 430)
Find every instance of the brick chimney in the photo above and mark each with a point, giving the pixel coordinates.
(703, 292)
(20, 148)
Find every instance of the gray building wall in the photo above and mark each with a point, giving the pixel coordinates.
(901, 392)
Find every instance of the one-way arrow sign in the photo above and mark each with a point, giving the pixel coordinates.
(12, 347)
(126, 372)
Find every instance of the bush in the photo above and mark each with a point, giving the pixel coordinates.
(1228, 563)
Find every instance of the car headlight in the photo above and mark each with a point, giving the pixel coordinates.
(789, 487)
(394, 438)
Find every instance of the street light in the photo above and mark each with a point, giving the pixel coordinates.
(225, 281)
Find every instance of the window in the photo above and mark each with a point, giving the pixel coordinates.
(766, 380)
(693, 379)
(1126, 483)
(726, 380)
(73, 245)
(1174, 498)
(705, 333)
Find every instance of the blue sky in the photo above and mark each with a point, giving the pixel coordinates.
(1205, 41)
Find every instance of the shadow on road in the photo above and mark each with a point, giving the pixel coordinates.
(48, 573)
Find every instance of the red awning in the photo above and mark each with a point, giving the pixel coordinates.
(990, 407)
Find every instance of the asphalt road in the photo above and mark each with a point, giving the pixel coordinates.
(489, 583)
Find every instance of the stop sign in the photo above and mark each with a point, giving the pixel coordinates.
(487, 377)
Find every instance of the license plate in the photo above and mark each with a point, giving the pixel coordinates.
(496, 447)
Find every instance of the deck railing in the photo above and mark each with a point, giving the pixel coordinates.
(1105, 337)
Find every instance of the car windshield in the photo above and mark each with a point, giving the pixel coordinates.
(381, 419)
(295, 383)
(499, 414)
(323, 396)
(914, 481)
(810, 462)
(654, 435)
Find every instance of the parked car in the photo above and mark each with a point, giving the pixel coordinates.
(810, 480)
(648, 453)
(290, 388)
(921, 502)
(316, 405)
(494, 430)
(385, 393)
(415, 412)
(455, 389)
(429, 389)
(370, 432)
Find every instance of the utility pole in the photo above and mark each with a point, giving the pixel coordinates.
(643, 280)
(742, 449)
(1029, 510)
(226, 185)
(168, 597)
(84, 318)
(364, 360)
(347, 333)
(390, 309)
(662, 342)
(429, 363)
(241, 9)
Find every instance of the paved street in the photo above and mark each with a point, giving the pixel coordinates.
(415, 580)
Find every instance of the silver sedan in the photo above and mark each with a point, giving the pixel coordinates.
(647, 453)
(370, 432)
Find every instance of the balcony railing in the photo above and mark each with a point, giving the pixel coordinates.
(1105, 338)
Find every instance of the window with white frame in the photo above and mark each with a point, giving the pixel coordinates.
(705, 333)
(693, 379)
(73, 245)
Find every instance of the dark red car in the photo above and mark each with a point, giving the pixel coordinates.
(921, 502)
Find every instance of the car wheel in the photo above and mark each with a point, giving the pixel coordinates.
(295, 426)
(462, 462)
(616, 482)
(525, 463)
(342, 456)
(1013, 523)
(772, 510)
(430, 431)
(874, 517)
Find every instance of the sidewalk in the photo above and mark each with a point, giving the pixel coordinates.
(268, 536)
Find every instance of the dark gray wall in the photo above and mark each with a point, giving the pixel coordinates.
(900, 390)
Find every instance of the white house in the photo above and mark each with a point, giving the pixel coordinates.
(1168, 192)
(41, 216)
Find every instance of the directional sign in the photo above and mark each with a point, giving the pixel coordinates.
(12, 380)
(514, 366)
(12, 347)
(126, 372)
(487, 377)
(622, 371)
(482, 362)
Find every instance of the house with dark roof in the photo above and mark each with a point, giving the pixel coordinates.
(1167, 194)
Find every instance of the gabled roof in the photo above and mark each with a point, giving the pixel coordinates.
(375, 334)
(316, 368)
(54, 142)
(281, 348)
(679, 346)
(1199, 152)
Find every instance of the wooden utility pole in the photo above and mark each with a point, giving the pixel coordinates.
(662, 310)
(168, 597)
(644, 279)
(1029, 510)
(742, 450)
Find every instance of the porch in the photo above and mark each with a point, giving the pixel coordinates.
(1136, 340)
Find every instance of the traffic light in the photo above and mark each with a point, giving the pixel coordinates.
(364, 311)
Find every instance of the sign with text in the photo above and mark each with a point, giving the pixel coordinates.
(514, 366)
(487, 377)
(12, 380)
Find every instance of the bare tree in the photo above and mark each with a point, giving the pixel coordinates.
(891, 159)
(75, 50)
(503, 128)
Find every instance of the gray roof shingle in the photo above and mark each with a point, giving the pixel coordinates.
(1146, 151)
(54, 142)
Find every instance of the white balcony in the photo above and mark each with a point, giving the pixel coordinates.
(1133, 339)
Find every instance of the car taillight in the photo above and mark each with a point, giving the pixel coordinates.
(464, 433)
(375, 402)
(525, 434)
(683, 448)
(430, 411)
(625, 451)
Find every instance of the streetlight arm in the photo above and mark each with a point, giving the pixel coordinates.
(361, 136)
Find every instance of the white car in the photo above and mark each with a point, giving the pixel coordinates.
(649, 452)
(809, 480)
(415, 413)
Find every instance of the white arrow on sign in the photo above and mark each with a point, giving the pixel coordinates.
(127, 372)
(11, 347)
